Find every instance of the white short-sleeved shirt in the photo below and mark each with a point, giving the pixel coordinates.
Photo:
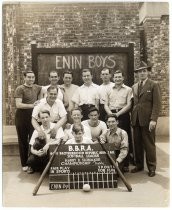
(86, 95)
(59, 94)
(118, 98)
(87, 132)
(59, 134)
(103, 90)
(97, 130)
(84, 141)
(57, 110)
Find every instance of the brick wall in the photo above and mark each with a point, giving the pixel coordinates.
(63, 25)
(157, 52)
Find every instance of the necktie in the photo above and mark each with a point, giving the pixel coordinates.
(140, 87)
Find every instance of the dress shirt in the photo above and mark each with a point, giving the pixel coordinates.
(57, 110)
(120, 139)
(86, 95)
(103, 90)
(118, 98)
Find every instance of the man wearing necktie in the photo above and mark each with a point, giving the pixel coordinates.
(146, 108)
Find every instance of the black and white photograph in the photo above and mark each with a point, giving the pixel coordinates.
(85, 104)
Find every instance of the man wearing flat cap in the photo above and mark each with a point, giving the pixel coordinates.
(146, 108)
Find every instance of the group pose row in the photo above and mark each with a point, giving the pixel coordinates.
(89, 114)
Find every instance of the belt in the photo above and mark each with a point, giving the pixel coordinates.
(87, 105)
(116, 110)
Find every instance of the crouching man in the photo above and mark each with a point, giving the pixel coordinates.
(39, 155)
(118, 137)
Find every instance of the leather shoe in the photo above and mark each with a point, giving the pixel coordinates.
(136, 169)
(151, 173)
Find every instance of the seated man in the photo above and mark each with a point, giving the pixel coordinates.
(76, 115)
(38, 157)
(96, 126)
(118, 137)
(78, 132)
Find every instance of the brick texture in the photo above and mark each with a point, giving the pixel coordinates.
(75, 25)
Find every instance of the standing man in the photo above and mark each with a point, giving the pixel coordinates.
(25, 97)
(56, 109)
(119, 101)
(147, 103)
(104, 88)
(86, 95)
(54, 78)
(69, 90)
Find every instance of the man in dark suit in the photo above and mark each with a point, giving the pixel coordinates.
(147, 103)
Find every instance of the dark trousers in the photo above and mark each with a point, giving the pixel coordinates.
(85, 110)
(124, 123)
(37, 163)
(102, 112)
(145, 140)
(24, 131)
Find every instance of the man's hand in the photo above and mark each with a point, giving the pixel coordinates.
(53, 133)
(102, 139)
(45, 148)
(40, 153)
(152, 125)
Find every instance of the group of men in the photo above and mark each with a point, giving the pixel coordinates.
(89, 114)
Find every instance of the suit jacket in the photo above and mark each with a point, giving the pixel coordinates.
(147, 104)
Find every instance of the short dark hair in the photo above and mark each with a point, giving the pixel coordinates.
(43, 111)
(111, 115)
(28, 72)
(67, 72)
(87, 70)
(53, 71)
(104, 69)
(76, 109)
(118, 72)
(77, 128)
(92, 109)
(52, 88)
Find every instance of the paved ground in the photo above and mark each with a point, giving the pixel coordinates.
(147, 192)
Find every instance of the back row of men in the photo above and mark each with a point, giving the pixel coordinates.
(143, 99)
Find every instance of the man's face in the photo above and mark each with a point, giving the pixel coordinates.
(45, 119)
(54, 78)
(94, 116)
(105, 76)
(78, 136)
(52, 95)
(76, 116)
(112, 123)
(87, 77)
(67, 79)
(143, 74)
(118, 78)
(29, 79)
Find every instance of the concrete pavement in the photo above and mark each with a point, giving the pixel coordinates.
(147, 192)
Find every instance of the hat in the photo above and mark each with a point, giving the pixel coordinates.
(143, 65)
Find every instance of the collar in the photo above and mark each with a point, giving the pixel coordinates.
(144, 81)
(117, 132)
(51, 127)
(122, 86)
(92, 84)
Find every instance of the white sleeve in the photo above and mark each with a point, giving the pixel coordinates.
(35, 112)
(76, 97)
(60, 133)
(62, 110)
(34, 136)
